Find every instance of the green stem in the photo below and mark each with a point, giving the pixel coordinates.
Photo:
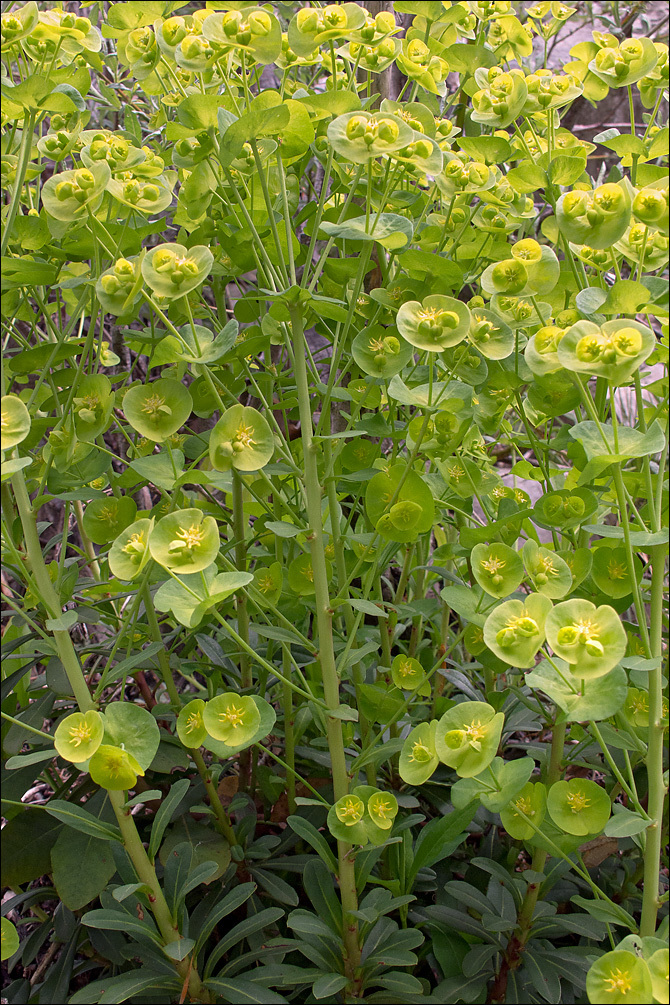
(656, 786)
(222, 819)
(246, 676)
(50, 599)
(146, 874)
(331, 684)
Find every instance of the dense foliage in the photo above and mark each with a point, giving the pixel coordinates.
(334, 505)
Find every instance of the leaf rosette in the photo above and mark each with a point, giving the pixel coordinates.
(467, 737)
(614, 350)
(171, 270)
(185, 541)
(361, 136)
(515, 630)
(241, 439)
(159, 409)
(592, 639)
(434, 324)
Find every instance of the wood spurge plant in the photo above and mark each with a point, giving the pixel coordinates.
(334, 503)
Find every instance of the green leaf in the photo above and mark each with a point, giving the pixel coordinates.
(63, 623)
(164, 813)
(240, 991)
(597, 699)
(308, 832)
(638, 538)
(465, 602)
(82, 866)
(603, 910)
(81, 820)
(179, 949)
(328, 985)
(625, 823)
(439, 838)
(27, 840)
(121, 921)
(390, 230)
(625, 144)
(631, 442)
(527, 178)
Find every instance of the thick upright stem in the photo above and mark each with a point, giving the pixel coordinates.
(656, 785)
(159, 907)
(50, 599)
(246, 676)
(324, 614)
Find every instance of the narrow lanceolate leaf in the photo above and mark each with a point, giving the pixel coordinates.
(79, 818)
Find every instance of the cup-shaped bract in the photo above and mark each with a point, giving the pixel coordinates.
(565, 508)
(191, 728)
(114, 768)
(548, 572)
(69, 195)
(92, 406)
(531, 801)
(515, 630)
(619, 978)
(598, 218)
(610, 571)
(232, 718)
(650, 206)
(241, 439)
(346, 819)
(185, 541)
(497, 568)
(658, 969)
(395, 488)
(104, 519)
(252, 30)
(151, 195)
(418, 757)
(541, 351)
(407, 672)
(312, 27)
(624, 64)
(434, 324)
(548, 90)
(171, 270)
(579, 806)
(269, 581)
(17, 25)
(14, 421)
(508, 277)
(490, 335)
(159, 409)
(467, 737)
(118, 288)
(501, 96)
(383, 809)
(79, 735)
(592, 639)
(461, 176)
(130, 551)
(380, 353)
(614, 350)
(361, 136)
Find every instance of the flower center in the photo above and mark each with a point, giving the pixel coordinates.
(244, 435)
(193, 722)
(577, 801)
(80, 734)
(191, 537)
(234, 716)
(618, 982)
